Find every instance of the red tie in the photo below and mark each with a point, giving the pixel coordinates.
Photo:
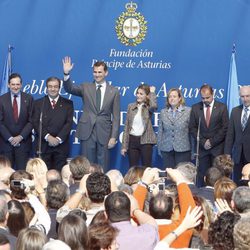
(208, 114)
(15, 108)
(53, 103)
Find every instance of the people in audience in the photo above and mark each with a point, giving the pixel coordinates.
(225, 163)
(173, 138)
(139, 136)
(241, 234)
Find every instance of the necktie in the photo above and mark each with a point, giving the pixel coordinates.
(53, 104)
(244, 119)
(98, 97)
(15, 108)
(208, 114)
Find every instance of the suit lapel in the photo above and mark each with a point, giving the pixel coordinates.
(92, 91)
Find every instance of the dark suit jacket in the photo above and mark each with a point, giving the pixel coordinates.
(57, 122)
(10, 237)
(216, 132)
(106, 121)
(8, 126)
(237, 140)
(207, 193)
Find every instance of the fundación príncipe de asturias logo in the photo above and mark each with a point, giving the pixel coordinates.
(131, 26)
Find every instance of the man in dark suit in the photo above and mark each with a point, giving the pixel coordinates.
(238, 134)
(52, 119)
(98, 126)
(213, 117)
(16, 123)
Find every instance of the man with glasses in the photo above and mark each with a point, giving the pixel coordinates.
(52, 119)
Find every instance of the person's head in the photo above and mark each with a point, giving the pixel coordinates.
(241, 234)
(100, 217)
(57, 194)
(245, 172)
(73, 231)
(103, 237)
(161, 206)
(95, 167)
(18, 192)
(6, 195)
(38, 165)
(225, 163)
(31, 239)
(220, 233)
(213, 174)
(223, 189)
(53, 85)
(142, 94)
(79, 212)
(16, 219)
(66, 175)
(133, 175)
(15, 83)
(206, 92)
(55, 245)
(117, 207)
(3, 212)
(245, 95)
(4, 162)
(241, 199)
(100, 71)
(4, 242)
(53, 175)
(98, 186)
(115, 177)
(175, 98)
(5, 174)
(188, 171)
(79, 166)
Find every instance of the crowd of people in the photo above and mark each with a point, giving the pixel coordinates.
(83, 208)
(49, 202)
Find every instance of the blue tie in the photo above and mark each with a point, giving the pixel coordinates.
(244, 118)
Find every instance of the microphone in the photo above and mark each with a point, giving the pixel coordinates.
(39, 151)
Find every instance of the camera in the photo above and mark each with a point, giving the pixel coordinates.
(161, 186)
(163, 174)
(17, 184)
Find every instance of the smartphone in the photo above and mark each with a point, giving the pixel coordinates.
(163, 174)
(161, 186)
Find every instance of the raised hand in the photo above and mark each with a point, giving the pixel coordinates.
(67, 65)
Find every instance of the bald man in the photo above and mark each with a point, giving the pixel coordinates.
(238, 134)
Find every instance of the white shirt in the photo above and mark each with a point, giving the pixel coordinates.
(137, 126)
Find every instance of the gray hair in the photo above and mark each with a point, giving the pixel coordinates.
(241, 199)
(188, 170)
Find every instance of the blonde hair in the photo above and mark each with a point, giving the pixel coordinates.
(182, 101)
(38, 164)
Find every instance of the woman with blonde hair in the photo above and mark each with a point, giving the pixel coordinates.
(173, 138)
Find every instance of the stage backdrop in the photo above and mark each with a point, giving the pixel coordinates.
(165, 43)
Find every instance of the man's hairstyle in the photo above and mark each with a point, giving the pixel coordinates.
(98, 186)
(241, 234)
(57, 194)
(79, 166)
(241, 199)
(161, 206)
(188, 170)
(213, 174)
(15, 75)
(53, 175)
(206, 87)
(53, 78)
(117, 206)
(18, 192)
(116, 177)
(101, 63)
(3, 210)
(225, 163)
(4, 162)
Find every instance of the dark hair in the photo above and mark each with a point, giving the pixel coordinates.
(101, 63)
(16, 220)
(15, 75)
(79, 166)
(117, 207)
(98, 186)
(207, 87)
(99, 218)
(224, 163)
(57, 194)
(146, 89)
(220, 233)
(73, 231)
(161, 206)
(79, 212)
(101, 236)
(18, 192)
(213, 174)
(53, 78)
(4, 161)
